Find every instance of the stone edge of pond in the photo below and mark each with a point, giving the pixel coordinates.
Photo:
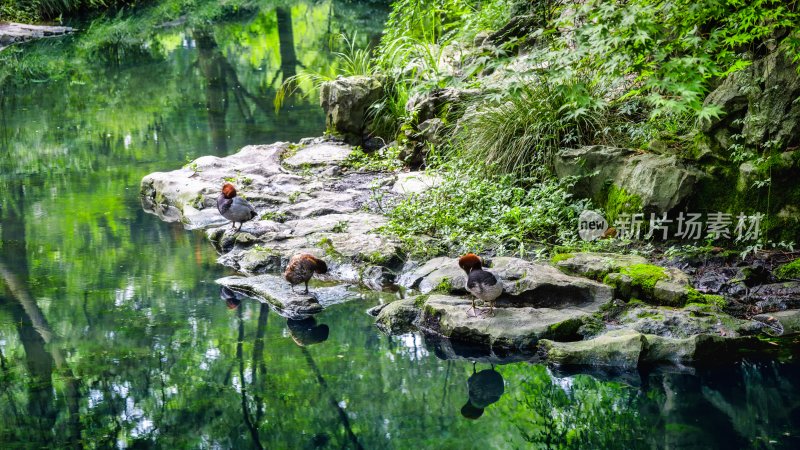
(309, 201)
(16, 33)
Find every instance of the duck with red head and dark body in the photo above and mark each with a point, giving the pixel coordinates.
(233, 208)
(480, 283)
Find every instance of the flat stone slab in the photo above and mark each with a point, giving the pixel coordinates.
(509, 327)
(526, 283)
(318, 154)
(14, 33)
(277, 292)
(630, 349)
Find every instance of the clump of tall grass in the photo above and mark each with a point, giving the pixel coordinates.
(387, 116)
(520, 131)
(352, 60)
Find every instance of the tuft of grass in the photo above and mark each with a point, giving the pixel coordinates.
(352, 60)
(327, 246)
(275, 216)
(444, 286)
(341, 226)
(522, 130)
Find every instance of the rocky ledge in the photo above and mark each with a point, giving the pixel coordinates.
(584, 309)
(539, 302)
(640, 314)
(306, 201)
(14, 33)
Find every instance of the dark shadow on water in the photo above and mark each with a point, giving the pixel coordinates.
(484, 388)
(307, 331)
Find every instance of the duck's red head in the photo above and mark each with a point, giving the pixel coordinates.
(228, 190)
(233, 303)
(469, 262)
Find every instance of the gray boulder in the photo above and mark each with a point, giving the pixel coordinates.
(542, 285)
(292, 304)
(525, 283)
(630, 349)
(660, 182)
(759, 103)
(597, 265)
(683, 323)
(515, 328)
(619, 348)
(346, 102)
(397, 317)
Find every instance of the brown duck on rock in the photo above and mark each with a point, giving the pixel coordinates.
(302, 267)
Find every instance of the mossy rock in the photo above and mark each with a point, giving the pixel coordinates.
(398, 317)
(694, 297)
(558, 257)
(595, 265)
(618, 348)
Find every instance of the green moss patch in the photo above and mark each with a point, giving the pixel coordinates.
(695, 298)
(790, 271)
(619, 201)
(419, 301)
(644, 276)
(558, 257)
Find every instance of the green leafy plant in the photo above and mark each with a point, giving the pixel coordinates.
(471, 212)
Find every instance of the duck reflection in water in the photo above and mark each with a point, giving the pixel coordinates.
(485, 387)
(230, 297)
(307, 331)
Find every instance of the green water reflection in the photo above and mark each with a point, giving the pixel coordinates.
(113, 334)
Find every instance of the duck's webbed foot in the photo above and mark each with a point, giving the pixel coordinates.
(473, 309)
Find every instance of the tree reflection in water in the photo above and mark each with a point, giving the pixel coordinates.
(112, 333)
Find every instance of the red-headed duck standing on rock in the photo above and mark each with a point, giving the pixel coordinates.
(480, 283)
(233, 208)
(302, 267)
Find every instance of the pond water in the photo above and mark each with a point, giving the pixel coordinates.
(113, 333)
